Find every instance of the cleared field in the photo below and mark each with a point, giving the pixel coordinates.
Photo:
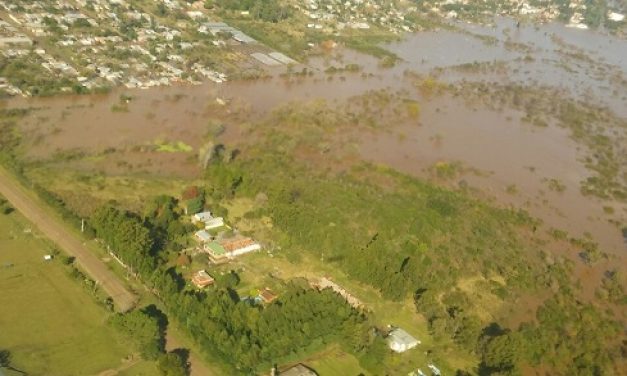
(49, 322)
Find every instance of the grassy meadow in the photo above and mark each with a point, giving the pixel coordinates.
(49, 323)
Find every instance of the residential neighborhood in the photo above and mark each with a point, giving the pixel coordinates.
(95, 45)
(144, 51)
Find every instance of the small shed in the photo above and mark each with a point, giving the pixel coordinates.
(202, 279)
(267, 296)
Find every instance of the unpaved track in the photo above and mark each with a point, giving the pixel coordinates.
(37, 212)
(43, 217)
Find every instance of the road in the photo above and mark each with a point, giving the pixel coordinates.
(37, 212)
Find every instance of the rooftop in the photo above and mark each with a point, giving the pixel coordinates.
(202, 279)
(216, 248)
(298, 370)
(400, 336)
(203, 235)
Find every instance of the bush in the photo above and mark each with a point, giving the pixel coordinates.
(172, 364)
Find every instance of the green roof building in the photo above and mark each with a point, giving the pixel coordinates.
(216, 248)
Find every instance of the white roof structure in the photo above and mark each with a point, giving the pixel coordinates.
(214, 223)
(401, 341)
(203, 236)
(202, 217)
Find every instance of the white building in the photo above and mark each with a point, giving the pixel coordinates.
(401, 341)
(201, 217)
(616, 17)
(202, 236)
(214, 223)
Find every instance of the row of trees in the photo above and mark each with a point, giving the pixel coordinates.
(127, 237)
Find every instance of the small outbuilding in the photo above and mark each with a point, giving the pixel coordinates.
(401, 341)
(202, 279)
(267, 296)
(298, 370)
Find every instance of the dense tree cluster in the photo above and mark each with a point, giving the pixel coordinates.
(172, 364)
(394, 243)
(161, 216)
(127, 236)
(251, 336)
(145, 327)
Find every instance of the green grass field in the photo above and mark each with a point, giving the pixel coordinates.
(334, 361)
(49, 322)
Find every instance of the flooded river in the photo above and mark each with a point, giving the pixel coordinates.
(505, 150)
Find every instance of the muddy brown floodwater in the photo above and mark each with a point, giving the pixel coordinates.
(505, 151)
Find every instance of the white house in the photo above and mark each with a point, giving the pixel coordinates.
(201, 217)
(401, 341)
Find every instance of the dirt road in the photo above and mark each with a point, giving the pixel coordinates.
(37, 212)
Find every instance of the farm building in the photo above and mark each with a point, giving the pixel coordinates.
(208, 220)
(401, 341)
(221, 251)
(202, 279)
(298, 370)
(202, 236)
